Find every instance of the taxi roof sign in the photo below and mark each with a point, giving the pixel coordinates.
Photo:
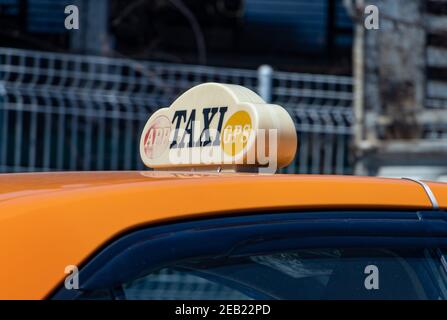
(222, 126)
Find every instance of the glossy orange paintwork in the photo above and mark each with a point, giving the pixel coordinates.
(49, 221)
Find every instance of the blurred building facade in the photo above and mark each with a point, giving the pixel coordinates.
(401, 90)
(77, 100)
(63, 107)
(297, 35)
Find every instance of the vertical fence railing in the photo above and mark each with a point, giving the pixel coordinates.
(73, 112)
(321, 106)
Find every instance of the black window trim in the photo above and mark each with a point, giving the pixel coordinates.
(247, 233)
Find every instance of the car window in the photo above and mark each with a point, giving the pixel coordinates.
(335, 273)
(174, 284)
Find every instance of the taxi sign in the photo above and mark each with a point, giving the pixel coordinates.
(221, 126)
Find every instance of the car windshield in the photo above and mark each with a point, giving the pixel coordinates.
(301, 274)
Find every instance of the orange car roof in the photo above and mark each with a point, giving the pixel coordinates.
(51, 220)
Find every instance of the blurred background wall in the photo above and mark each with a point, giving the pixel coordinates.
(364, 101)
(313, 35)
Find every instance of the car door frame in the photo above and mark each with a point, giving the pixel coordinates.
(126, 257)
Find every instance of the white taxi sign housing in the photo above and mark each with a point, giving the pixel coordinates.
(221, 126)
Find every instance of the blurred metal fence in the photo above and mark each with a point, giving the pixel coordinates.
(74, 112)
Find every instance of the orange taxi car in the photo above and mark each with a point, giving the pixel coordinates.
(214, 226)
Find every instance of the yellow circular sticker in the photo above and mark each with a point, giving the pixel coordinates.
(236, 133)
